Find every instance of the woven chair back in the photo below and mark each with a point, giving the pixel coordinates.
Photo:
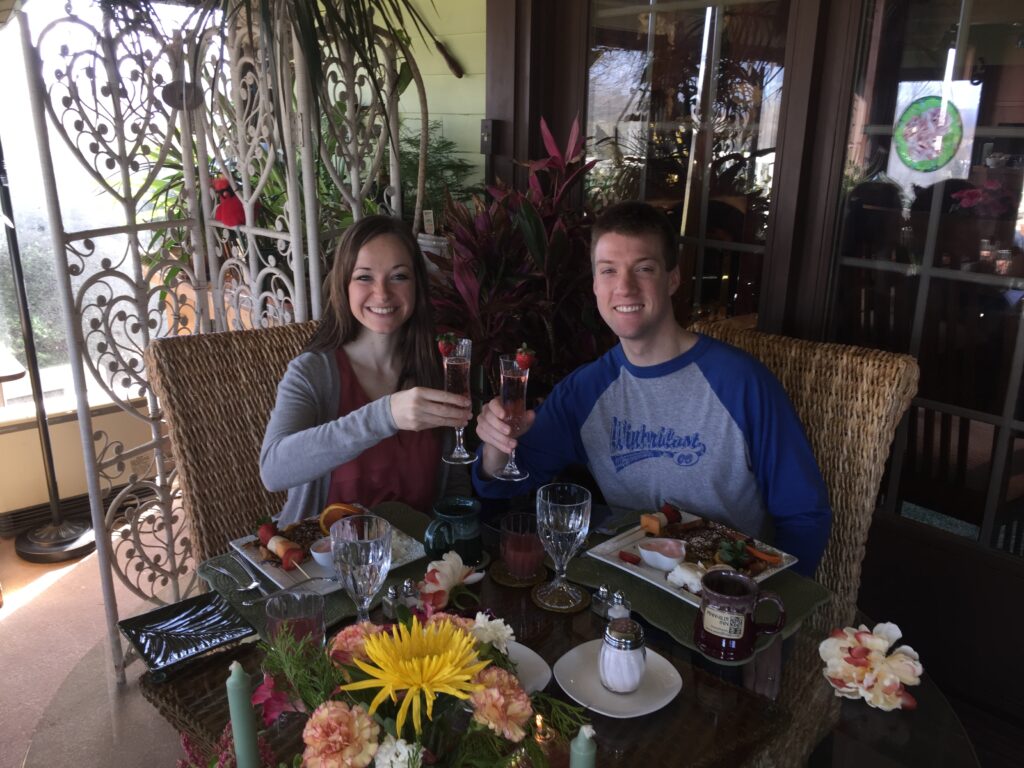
(850, 400)
(216, 392)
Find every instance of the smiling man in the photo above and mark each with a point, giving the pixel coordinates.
(667, 415)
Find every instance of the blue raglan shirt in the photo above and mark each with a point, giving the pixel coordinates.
(711, 431)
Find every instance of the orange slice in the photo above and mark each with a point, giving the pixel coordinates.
(333, 513)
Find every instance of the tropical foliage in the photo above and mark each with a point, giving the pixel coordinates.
(519, 269)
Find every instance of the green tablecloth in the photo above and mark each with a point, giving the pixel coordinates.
(675, 616)
(337, 605)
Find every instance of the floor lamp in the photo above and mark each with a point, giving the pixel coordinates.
(59, 539)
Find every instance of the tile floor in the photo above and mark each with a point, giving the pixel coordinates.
(60, 701)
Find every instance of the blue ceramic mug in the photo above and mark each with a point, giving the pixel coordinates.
(456, 526)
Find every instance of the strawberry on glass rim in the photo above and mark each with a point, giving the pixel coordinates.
(525, 357)
(446, 344)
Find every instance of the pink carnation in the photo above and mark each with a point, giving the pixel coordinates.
(502, 705)
(459, 621)
(350, 643)
(339, 736)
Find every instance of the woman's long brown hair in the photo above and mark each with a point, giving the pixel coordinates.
(420, 364)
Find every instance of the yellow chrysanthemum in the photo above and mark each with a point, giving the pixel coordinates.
(437, 659)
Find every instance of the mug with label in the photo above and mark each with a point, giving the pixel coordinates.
(725, 628)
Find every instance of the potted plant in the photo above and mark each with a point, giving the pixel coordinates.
(519, 270)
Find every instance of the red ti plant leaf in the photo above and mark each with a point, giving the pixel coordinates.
(551, 145)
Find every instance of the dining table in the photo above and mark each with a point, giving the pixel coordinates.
(712, 721)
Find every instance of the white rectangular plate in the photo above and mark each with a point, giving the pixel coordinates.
(608, 552)
(404, 550)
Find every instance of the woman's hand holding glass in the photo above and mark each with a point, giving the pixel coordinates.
(422, 408)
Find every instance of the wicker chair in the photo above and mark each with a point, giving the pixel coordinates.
(850, 400)
(216, 391)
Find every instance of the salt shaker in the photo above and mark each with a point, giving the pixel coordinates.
(410, 595)
(390, 602)
(623, 656)
(599, 603)
(619, 606)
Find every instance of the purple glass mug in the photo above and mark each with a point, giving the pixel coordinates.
(725, 628)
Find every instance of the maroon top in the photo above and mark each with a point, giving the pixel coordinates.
(402, 467)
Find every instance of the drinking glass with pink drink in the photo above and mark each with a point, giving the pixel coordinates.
(457, 354)
(297, 613)
(521, 549)
(513, 400)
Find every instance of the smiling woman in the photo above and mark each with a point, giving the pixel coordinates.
(366, 395)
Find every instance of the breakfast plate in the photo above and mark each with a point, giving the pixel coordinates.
(533, 672)
(576, 673)
(404, 550)
(626, 545)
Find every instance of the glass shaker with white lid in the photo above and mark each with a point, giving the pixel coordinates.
(623, 656)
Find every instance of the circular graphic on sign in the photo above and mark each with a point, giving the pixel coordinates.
(928, 133)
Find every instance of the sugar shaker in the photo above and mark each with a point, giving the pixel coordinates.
(410, 595)
(623, 656)
(389, 603)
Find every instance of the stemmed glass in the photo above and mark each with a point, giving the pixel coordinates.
(563, 519)
(456, 381)
(361, 548)
(513, 400)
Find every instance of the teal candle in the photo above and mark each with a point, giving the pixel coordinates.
(583, 750)
(243, 718)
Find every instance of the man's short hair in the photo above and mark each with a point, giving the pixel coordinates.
(636, 219)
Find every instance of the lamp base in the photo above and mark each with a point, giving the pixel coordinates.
(55, 543)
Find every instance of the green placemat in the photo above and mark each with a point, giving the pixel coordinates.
(675, 616)
(337, 605)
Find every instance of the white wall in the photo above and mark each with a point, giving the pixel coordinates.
(459, 103)
(22, 479)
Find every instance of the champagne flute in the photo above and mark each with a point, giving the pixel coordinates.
(456, 381)
(513, 400)
(361, 548)
(563, 519)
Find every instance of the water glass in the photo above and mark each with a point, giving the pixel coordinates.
(296, 613)
(361, 548)
(456, 381)
(513, 400)
(563, 520)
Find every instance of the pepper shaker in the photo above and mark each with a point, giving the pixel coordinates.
(623, 656)
(599, 603)
(410, 595)
(389, 603)
(619, 606)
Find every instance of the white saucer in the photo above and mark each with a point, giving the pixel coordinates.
(577, 673)
(533, 672)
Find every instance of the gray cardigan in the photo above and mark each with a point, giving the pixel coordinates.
(305, 440)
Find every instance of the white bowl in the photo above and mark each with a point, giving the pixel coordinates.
(662, 554)
(321, 552)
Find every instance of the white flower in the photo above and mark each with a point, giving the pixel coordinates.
(496, 632)
(398, 753)
(858, 667)
(442, 577)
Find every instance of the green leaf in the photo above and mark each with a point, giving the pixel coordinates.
(534, 234)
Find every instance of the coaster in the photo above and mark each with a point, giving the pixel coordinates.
(500, 575)
(583, 605)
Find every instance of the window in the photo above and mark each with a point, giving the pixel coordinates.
(683, 108)
(931, 251)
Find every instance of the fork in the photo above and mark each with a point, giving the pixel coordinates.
(266, 596)
(239, 586)
(247, 567)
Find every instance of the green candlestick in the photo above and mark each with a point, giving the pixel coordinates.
(583, 750)
(243, 718)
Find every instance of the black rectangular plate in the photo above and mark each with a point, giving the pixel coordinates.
(173, 633)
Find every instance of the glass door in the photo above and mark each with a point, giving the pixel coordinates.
(931, 251)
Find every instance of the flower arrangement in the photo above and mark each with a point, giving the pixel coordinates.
(990, 200)
(429, 689)
(858, 665)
